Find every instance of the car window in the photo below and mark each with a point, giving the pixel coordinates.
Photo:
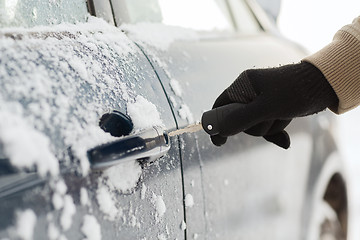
(202, 15)
(244, 18)
(29, 13)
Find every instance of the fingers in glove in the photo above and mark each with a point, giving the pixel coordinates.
(270, 127)
(278, 135)
(222, 100)
(273, 131)
(241, 118)
(280, 139)
(218, 140)
(278, 126)
(260, 129)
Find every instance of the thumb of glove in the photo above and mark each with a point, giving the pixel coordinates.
(280, 139)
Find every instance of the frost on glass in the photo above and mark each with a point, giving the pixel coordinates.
(28, 13)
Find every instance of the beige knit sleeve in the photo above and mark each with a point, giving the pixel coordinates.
(340, 63)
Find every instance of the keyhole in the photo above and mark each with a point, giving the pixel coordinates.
(116, 123)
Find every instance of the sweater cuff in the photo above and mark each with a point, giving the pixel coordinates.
(339, 62)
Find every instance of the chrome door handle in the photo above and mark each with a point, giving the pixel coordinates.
(147, 145)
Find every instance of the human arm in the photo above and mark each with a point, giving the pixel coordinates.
(339, 62)
(329, 78)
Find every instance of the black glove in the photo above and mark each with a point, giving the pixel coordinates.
(273, 98)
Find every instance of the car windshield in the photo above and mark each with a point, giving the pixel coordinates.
(203, 15)
(29, 13)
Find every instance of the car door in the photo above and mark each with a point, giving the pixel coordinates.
(248, 188)
(59, 83)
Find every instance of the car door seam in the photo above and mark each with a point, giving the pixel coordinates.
(162, 85)
(178, 138)
(182, 183)
(201, 163)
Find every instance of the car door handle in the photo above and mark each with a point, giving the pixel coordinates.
(147, 146)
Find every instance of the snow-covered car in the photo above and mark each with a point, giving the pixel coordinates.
(91, 89)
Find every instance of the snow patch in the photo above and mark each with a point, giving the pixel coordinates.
(124, 176)
(25, 224)
(173, 101)
(143, 113)
(183, 225)
(53, 232)
(67, 213)
(61, 187)
(91, 228)
(189, 200)
(159, 205)
(107, 204)
(143, 191)
(158, 35)
(84, 197)
(57, 201)
(175, 86)
(25, 146)
(120, 178)
(185, 113)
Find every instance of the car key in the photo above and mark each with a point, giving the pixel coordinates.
(209, 121)
(188, 129)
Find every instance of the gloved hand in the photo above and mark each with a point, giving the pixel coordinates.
(273, 97)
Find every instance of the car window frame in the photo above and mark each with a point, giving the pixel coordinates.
(105, 10)
(122, 17)
(29, 14)
(236, 15)
(261, 17)
(102, 9)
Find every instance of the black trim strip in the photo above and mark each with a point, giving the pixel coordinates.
(113, 13)
(91, 7)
